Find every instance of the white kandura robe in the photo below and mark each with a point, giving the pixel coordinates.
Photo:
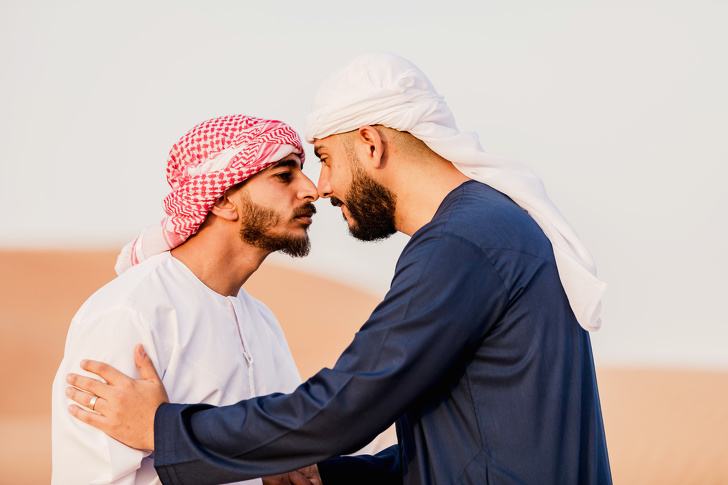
(206, 347)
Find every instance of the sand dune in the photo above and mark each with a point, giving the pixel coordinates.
(663, 426)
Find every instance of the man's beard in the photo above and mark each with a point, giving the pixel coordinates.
(257, 224)
(371, 205)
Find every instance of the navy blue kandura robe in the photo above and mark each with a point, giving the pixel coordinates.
(474, 352)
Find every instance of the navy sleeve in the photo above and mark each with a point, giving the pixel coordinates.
(414, 336)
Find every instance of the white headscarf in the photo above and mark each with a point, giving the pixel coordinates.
(388, 90)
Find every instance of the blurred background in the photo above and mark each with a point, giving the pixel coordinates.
(619, 106)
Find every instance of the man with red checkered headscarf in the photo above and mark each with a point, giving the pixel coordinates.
(238, 194)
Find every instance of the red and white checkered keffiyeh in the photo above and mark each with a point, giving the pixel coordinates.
(212, 157)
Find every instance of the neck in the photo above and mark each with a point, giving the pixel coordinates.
(420, 191)
(221, 264)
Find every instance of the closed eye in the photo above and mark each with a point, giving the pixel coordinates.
(284, 176)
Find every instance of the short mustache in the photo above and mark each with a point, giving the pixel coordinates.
(307, 209)
(336, 202)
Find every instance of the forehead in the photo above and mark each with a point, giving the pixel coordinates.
(325, 145)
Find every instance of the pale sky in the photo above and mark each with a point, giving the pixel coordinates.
(620, 106)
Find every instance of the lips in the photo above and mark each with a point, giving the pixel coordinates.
(305, 213)
(336, 202)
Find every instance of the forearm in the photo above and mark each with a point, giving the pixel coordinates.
(199, 437)
(409, 343)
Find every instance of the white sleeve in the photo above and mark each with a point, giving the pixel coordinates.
(81, 453)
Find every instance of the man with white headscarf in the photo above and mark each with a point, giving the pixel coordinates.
(480, 350)
(238, 194)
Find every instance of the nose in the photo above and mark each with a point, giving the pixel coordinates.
(308, 190)
(324, 185)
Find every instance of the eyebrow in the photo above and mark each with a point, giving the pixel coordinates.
(285, 163)
(316, 151)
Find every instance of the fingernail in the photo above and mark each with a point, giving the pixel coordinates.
(141, 352)
(68, 391)
(84, 362)
(69, 378)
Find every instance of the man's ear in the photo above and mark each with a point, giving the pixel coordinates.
(371, 146)
(225, 207)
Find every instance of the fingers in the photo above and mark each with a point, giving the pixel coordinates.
(105, 371)
(88, 384)
(309, 475)
(85, 399)
(88, 417)
(298, 479)
(145, 365)
(276, 480)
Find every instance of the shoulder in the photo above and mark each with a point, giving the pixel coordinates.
(477, 214)
(135, 293)
(131, 309)
(477, 232)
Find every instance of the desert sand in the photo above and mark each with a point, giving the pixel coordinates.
(666, 426)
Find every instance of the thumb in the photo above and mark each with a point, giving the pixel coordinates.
(145, 365)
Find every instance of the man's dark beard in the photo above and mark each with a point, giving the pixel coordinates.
(258, 220)
(371, 206)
